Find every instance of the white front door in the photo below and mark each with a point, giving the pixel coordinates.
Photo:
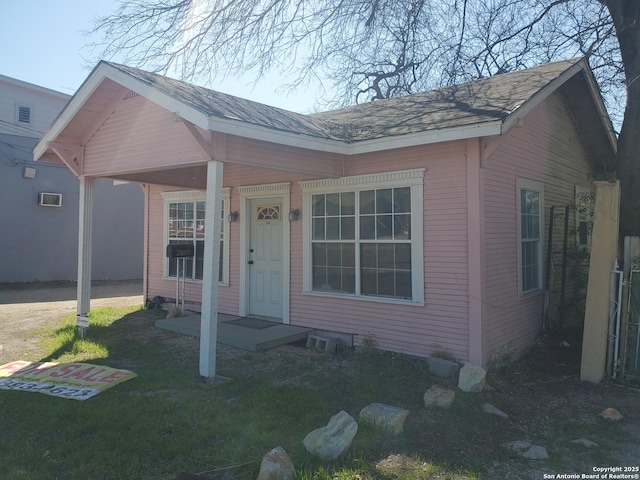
(265, 257)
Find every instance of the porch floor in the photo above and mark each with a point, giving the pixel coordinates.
(247, 333)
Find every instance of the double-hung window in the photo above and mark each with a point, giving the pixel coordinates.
(185, 223)
(363, 236)
(530, 206)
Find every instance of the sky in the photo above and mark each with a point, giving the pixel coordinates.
(43, 42)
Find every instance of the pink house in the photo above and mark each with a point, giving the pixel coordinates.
(418, 222)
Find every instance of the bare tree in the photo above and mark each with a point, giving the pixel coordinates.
(373, 49)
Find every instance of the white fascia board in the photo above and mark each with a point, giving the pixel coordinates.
(602, 110)
(540, 96)
(363, 146)
(257, 132)
(159, 98)
(426, 138)
(70, 110)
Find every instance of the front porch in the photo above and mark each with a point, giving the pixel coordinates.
(247, 333)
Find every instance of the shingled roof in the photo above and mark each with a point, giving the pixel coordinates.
(485, 100)
(480, 108)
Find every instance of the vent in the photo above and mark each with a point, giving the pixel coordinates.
(50, 199)
(24, 114)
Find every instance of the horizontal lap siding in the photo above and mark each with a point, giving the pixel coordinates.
(546, 148)
(228, 295)
(137, 136)
(442, 324)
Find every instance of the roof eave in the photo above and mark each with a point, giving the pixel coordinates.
(541, 95)
(426, 137)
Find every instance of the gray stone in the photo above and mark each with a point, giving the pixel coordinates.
(585, 443)
(472, 378)
(276, 465)
(442, 368)
(518, 446)
(536, 452)
(387, 418)
(334, 439)
(438, 396)
(487, 407)
(526, 450)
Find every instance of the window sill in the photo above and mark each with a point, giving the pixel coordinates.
(532, 293)
(365, 298)
(189, 280)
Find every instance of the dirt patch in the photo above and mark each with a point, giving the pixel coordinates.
(25, 307)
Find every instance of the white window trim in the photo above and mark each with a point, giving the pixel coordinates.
(535, 186)
(197, 196)
(404, 178)
(246, 194)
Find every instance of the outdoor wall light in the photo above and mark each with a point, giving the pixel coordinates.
(233, 217)
(294, 215)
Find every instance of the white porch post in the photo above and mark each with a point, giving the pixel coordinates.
(209, 315)
(85, 220)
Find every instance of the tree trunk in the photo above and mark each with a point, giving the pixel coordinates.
(626, 17)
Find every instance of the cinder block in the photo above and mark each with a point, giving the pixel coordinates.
(442, 368)
(318, 342)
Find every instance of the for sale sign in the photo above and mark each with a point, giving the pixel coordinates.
(75, 381)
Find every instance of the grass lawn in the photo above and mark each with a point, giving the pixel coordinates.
(167, 424)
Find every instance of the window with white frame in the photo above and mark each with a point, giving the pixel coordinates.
(364, 236)
(185, 223)
(530, 205)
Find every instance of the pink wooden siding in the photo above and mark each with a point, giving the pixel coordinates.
(140, 135)
(442, 324)
(546, 148)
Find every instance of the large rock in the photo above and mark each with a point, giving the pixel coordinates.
(384, 417)
(472, 378)
(334, 439)
(536, 452)
(276, 465)
(526, 450)
(438, 396)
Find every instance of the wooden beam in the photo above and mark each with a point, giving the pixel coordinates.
(205, 145)
(71, 155)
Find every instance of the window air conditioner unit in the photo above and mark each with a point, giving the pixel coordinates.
(50, 199)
